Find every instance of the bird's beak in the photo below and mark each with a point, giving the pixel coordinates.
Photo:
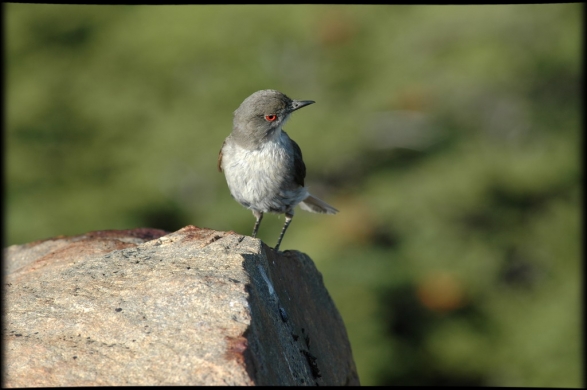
(297, 104)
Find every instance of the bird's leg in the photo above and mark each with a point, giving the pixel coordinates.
(288, 218)
(259, 216)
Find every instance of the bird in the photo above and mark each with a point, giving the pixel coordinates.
(262, 165)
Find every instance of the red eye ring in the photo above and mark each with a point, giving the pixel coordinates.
(270, 118)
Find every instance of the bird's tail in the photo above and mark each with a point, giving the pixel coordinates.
(315, 205)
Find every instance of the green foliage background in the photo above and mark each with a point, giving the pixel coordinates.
(447, 136)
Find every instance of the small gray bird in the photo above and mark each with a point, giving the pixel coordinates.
(262, 165)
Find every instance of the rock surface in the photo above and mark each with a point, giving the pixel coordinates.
(144, 307)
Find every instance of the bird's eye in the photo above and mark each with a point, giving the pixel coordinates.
(270, 118)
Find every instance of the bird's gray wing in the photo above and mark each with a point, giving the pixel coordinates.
(299, 166)
(220, 157)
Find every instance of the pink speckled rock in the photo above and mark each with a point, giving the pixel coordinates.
(144, 307)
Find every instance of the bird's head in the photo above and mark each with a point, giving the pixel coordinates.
(263, 114)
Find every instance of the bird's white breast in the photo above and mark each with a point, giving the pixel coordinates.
(262, 179)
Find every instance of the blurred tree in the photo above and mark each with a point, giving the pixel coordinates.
(448, 136)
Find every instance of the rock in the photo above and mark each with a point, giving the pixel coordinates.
(144, 307)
